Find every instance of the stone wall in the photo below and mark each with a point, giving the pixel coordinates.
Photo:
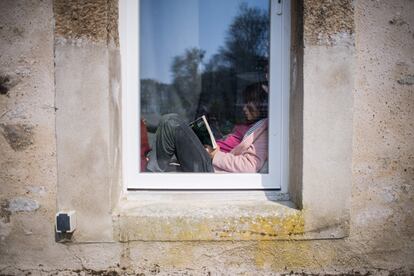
(383, 159)
(86, 54)
(382, 219)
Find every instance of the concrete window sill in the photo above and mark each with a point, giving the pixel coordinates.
(205, 217)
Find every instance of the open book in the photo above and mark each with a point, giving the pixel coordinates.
(203, 131)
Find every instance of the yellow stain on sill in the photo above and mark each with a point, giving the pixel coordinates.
(263, 228)
(237, 228)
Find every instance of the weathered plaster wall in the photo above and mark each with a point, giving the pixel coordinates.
(328, 83)
(87, 96)
(383, 159)
(27, 130)
(382, 222)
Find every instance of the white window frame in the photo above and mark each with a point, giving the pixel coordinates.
(278, 176)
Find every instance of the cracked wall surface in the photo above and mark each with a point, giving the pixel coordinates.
(382, 204)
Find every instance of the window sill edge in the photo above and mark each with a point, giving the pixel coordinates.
(202, 220)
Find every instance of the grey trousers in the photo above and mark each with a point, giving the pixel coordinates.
(175, 138)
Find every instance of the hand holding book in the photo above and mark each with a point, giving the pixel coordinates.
(212, 152)
(203, 131)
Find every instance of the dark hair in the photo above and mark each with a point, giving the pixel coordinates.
(256, 94)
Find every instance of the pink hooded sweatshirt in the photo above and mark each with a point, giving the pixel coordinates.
(248, 157)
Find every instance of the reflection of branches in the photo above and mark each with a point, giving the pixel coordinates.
(215, 91)
(245, 50)
(187, 78)
(247, 39)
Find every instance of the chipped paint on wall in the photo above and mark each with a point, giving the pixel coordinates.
(5, 213)
(23, 204)
(18, 136)
(406, 80)
(7, 82)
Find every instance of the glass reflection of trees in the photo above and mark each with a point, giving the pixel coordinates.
(213, 87)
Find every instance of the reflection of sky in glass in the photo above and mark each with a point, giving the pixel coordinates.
(168, 27)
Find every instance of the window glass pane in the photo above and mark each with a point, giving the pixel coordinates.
(204, 57)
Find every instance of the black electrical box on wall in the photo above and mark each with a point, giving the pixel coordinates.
(65, 222)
